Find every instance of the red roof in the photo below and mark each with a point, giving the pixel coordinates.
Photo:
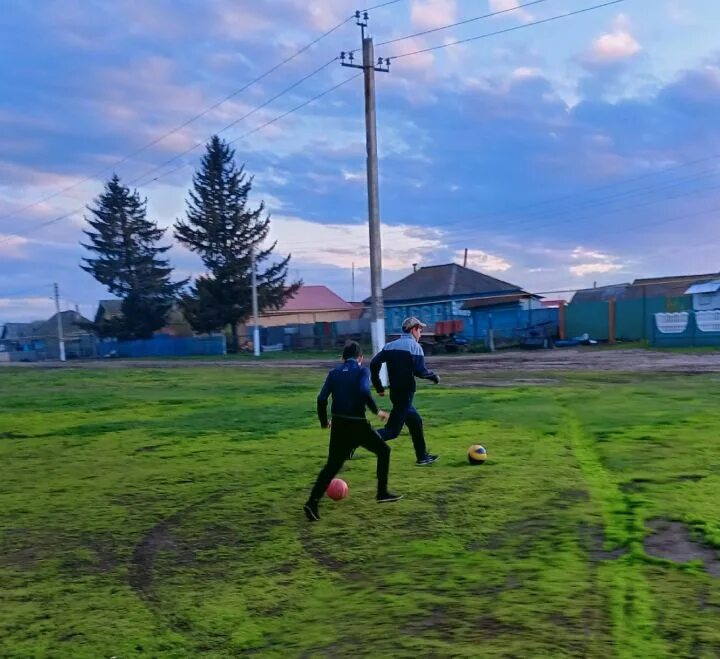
(315, 298)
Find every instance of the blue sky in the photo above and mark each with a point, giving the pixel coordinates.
(576, 151)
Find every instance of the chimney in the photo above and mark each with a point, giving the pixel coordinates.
(594, 284)
(415, 265)
(465, 259)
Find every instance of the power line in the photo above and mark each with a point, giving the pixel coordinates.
(234, 123)
(506, 30)
(185, 123)
(255, 130)
(463, 22)
(268, 123)
(380, 6)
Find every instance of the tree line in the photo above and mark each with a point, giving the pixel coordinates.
(127, 256)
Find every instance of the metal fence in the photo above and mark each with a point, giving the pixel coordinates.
(164, 346)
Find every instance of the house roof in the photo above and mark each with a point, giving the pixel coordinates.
(315, 298)
(109, 308)
(443, 281)
(600, 293)
(707, 287)
(667, 286)
(495, 300)
(15, 331)
(70, 320)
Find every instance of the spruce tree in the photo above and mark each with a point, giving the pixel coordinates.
(223, 230)
(129, 263)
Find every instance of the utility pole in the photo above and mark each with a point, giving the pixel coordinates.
(256, 328)
(61, 340)
(353, 282)
(377, 310)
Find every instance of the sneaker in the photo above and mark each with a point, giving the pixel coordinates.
(427, 460)
(311, 511)
(388, 497)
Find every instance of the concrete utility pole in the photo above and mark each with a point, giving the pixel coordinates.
(377, 310)
(256, 328)
(61, 340)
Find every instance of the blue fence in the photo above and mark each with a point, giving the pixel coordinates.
(691, 335)
(164, 346)
(510, 324)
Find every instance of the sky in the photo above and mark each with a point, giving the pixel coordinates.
(560, 153)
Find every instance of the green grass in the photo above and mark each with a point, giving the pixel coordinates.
(157, 513)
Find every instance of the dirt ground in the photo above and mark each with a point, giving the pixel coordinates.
(538, 361)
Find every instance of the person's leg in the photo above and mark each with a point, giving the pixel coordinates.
(414, 422)
(396, 421)
(374, 443)
(338, 452)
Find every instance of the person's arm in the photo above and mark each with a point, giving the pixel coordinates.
(375, 366)
(322, 401)
(420, 370)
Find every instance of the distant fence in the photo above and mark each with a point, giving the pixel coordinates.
(634, 319)
(315, 335)
(680, 329)
(164, 346)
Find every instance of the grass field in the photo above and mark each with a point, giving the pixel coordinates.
(157, 513)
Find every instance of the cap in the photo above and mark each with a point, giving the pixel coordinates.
(411, 323)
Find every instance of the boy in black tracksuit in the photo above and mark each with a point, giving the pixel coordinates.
(405, 361)
(349, 386)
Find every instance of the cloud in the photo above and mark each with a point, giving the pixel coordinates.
(483, 261)
(430, 14)
(597, 262)
(615, 46)
(24, 309)
(11, 247)
(341, 245)
(504, 5)
(594, 268)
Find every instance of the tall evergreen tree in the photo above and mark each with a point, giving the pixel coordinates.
(129, 262)
(222, 229)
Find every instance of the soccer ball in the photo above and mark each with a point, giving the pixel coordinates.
(338, 489)
(477, 455)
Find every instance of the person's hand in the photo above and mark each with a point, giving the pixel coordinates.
(381, 393)
(383, 415)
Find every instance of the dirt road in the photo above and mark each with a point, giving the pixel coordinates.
(570, 359)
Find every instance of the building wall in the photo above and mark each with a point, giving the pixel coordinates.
(298, 318)
(706, 301)
(429, 313)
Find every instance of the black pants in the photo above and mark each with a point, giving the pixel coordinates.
(345, 436)
(404, 413)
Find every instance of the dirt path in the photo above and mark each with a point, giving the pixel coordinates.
(570, 359)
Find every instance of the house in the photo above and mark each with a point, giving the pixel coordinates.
(309, 305)
(39, 339)
(176, 324)
(453, 292)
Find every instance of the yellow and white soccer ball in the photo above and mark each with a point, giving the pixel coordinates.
(477, 455)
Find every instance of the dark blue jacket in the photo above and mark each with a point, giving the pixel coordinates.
(349, 386)
(405, 361)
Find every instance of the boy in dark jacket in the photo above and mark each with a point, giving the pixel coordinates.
(405, 361)
(349, 386)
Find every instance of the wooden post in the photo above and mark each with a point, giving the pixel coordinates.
(561, 320)
(611, 320)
